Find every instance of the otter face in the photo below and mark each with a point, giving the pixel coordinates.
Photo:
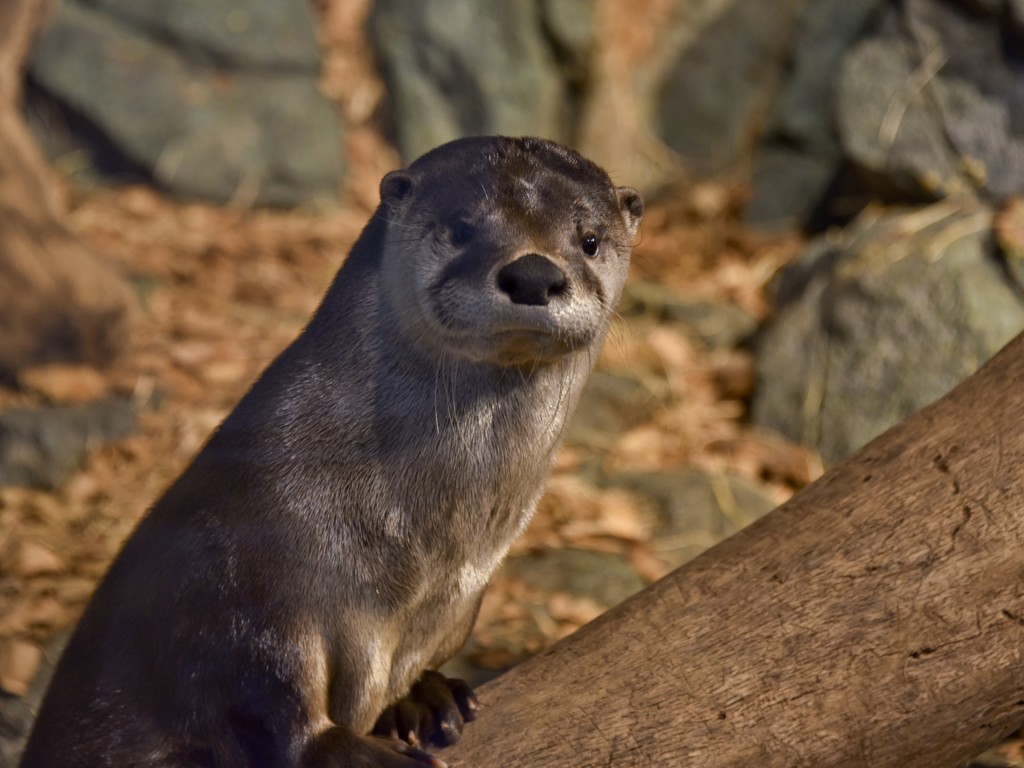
(508, 251)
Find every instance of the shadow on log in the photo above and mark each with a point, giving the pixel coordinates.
(58, 301)
(876, 619)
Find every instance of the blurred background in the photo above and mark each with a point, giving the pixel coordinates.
(834, 238)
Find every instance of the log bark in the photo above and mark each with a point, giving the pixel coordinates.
(58, 300)
(876, 619)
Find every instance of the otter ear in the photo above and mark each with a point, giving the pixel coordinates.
(632, 206)
(395, 187)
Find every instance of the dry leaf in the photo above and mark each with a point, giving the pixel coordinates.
(621, 517)
(64, 384)
(647, 563)
(573, 608)
(34, 559)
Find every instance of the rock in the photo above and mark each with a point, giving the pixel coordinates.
(932, 105)
(255, 34)
(570, 25)
(195, 99)
(717, 325)
(799, 155)
(612, 403)
(790, 185)
(718, 94)
(890, 133)
(460, 67)
(877, 322)
(911, 102)
(696, 509)
(603, 577)
(576, 585)
(42, 447)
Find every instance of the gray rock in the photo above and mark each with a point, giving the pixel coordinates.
(43, 447)
(878, 322)
(612, 403)
(696, 509)
(604, 577)
(140, 101)
(717, 325)
(570, 25)
(255, 34)
(718, 93)
(460, 67)
(802, 115)
(790, 185)
(932, 105)
(889, 130)
(799, 155)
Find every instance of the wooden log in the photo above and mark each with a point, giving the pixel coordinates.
(876, 619)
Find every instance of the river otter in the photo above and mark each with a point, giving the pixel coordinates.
(329, 545)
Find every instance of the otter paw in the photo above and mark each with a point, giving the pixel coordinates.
(433, 713)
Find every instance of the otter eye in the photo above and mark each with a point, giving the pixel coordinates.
(590, 244)
(462, 232)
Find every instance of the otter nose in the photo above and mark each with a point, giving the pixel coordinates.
(531, 279)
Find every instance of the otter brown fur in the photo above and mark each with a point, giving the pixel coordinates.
(328, 547)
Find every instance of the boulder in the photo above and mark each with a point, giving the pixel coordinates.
(255, 34)
(799, 156)
(210, 100)
(604, 577)
(932, 104)
(460, 67)
(611, 403)
(717, 95)
(717, 325)
(879, 321)
(695, 509)
(42, 447)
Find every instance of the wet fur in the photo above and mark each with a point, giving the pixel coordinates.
(333, 538)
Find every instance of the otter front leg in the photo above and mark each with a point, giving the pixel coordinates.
(339, 747)
(433, 713)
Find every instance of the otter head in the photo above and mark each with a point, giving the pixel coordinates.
(505, 251)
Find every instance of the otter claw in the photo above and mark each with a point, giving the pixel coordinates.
(433, 713)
